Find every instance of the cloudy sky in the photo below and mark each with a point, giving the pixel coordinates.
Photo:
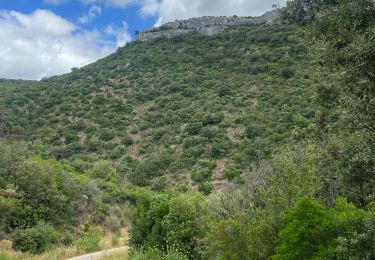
(40, 38)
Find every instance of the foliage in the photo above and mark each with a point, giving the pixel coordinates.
(303, 12)
(253, 213)
(35, 240)
(162, 221)
(273, 124)
(186, 223)
(343, 39)
(34, 191)
(312, 230)
(136, 107)
(91, 239)
(5, 256)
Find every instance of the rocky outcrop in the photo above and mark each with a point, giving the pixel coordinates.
(206, 25)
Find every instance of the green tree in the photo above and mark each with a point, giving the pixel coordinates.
(309, 233)
(315, 232)
(186, 223)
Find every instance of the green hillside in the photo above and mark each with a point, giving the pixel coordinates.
(255, 143)
(163, 108)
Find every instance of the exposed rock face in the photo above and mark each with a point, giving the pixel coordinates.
(206, 25)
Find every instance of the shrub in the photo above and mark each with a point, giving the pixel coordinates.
(194, 128)
(107, 134)
(206, 187)
(67, 238)
(113, 223)
(35, 240)
(232, 173)
(71, 137)
(186, 223)
(213, 119)
(287, 73)
(252, 131)
(118, 152)
(209, 132)
(202, 175)
(224, 91)
(220, 148)
(229, 239)
(104, 170)
(315, 232)
(91, 239)
(127, 140)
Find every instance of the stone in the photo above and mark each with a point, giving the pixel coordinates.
(206, 25)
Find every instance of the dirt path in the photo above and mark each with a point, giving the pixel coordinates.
(98, 255)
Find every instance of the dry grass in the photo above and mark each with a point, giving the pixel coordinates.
(61, 253)
(123, 255)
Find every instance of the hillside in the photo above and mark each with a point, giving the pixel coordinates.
(192, 105)
(254, 143)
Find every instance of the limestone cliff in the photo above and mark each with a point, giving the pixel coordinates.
(206, 25)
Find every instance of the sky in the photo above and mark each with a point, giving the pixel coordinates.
(41, 38)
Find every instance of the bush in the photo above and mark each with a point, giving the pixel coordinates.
(194, 128)
(127, 140)
(252, 131)
(287, 73)
(206, 187)
(202, 175)
(107, 134)
(104, 170)
(35, 240)
(113, 223)
(186, 223)
(315, 232)
(91, 240)
(224, 91)
(118, 152)
(232, 173)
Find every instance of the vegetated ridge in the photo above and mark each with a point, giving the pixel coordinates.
(188, 110)
(254, 143)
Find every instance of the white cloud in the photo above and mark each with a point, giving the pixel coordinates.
(150, 8)
(42, 44)
(112, 3)
(54, 2)
(121, 34)
(170, 10)
(94, 11)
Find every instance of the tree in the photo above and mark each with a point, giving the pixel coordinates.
(309, 232)
(164, 222)
(186, 223)
(303, 12)
(315, 232)
(343, 40)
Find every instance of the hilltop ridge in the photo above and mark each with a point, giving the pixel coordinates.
(206, 25)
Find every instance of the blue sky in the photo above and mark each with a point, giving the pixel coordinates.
(72, 10)
(41, 38)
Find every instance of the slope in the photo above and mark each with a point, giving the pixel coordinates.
(186, 110)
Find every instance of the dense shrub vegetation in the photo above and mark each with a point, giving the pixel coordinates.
(256, 143)
(159, 108)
